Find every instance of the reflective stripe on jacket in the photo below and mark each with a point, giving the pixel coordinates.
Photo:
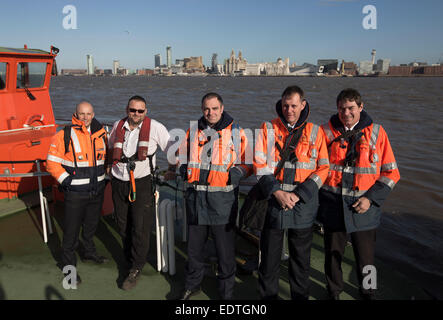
(84, 160)
(303, 172)
(211, 159)
(373, 175)
(211, 155)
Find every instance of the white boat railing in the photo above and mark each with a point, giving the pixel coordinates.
(44, 207)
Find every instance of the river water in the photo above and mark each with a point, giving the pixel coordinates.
(410, 237)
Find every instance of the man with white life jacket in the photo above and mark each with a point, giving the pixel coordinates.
(215, 156)
(76, 159)
(134, 141)
(292, 189)
(362, 173)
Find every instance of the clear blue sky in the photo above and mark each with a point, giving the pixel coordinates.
(304, 31)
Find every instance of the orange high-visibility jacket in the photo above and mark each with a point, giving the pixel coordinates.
(212, 157)
(80, 168)
(373, 174)
(311, 152)
(223, 156)
(303, 173)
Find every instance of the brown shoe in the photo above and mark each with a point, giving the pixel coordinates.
(131, 279)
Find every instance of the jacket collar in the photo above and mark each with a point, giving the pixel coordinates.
(95, 125)
(223, 123)
(365, 121)
(301, 120)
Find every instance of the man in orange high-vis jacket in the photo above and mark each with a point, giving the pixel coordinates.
(292, 194)
(77, 163)
(216, 159)
(362, 173)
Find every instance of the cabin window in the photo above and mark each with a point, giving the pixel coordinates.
(31, 74)
(2, 75)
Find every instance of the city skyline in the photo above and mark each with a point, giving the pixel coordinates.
(301, 31)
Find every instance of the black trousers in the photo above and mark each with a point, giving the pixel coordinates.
(363, 244)
(271, 246)
(224, 243)
(81, 209)
(134, 219)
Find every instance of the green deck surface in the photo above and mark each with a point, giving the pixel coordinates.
(28, 268)
(25, 201)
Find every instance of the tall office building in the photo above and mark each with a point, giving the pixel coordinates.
(214, 62)
(115, 66)
(373, 56)
(168, 57)
(158, 60)
(89, 64)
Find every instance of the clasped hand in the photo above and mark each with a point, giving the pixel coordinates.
(286, 200)
(362, 205)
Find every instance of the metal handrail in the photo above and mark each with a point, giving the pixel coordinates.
(24, 175)
(44, 208)
(22, 161)
(28, 128)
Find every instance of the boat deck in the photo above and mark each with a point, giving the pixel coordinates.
(28, 267)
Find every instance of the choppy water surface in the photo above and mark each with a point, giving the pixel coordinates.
(410, 109)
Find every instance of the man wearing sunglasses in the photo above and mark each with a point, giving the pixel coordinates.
(134, 141)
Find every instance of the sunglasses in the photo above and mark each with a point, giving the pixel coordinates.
(136, 110)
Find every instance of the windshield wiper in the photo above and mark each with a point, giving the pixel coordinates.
(30, 95)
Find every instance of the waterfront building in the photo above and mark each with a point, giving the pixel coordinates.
(235, 65)
(306, 69)
(180, 62)
(365, 68)
(401, 70)
(278, 68)
(373, 53)
(382, 66)
(328, 65)
(158, 60)
(168, 57)
(219, 69)
(122, 71)
(115, 66)
(99, 72)
(254, 69)
(74, 72)
(348, 68)
(214, 62)
(145, 72)
(89, 64)
(193, 64)
(418, 64)
(177, 69)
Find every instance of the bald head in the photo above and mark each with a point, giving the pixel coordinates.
(85, 112)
